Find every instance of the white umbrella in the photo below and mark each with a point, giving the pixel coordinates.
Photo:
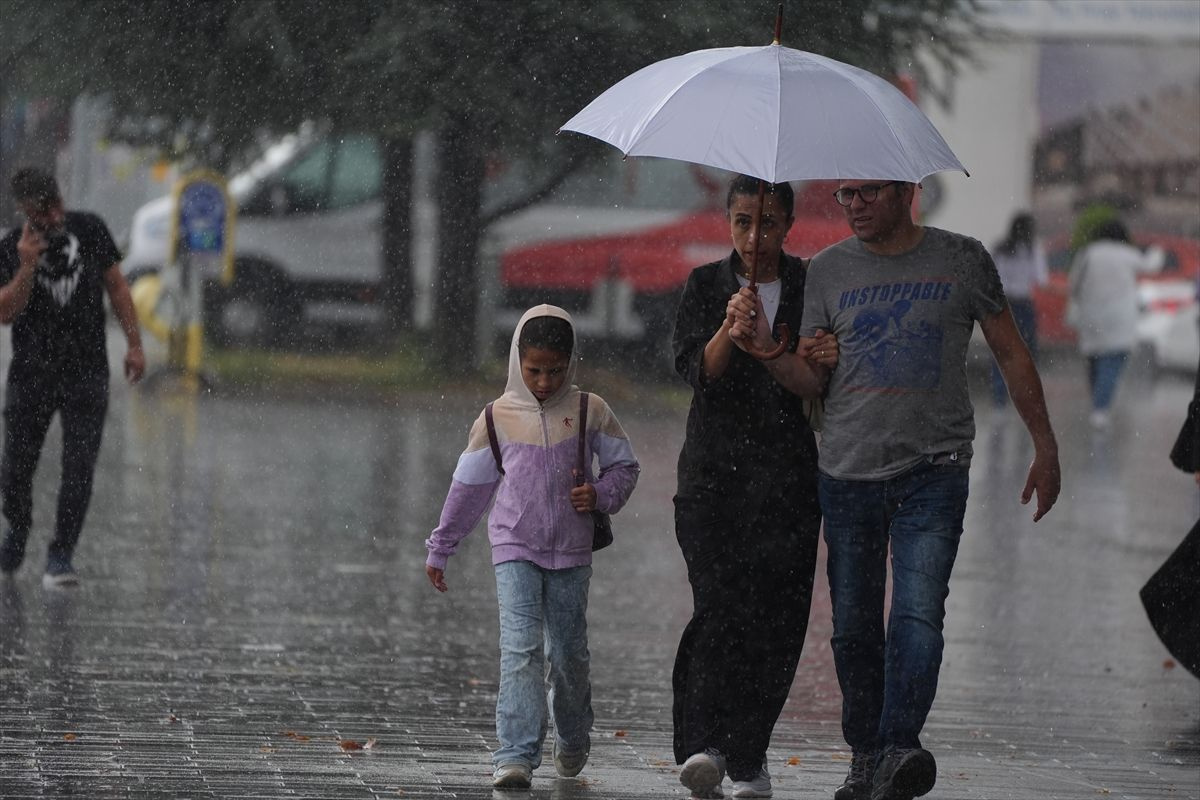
(772, 112)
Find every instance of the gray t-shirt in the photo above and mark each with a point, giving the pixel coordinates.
(899, 393)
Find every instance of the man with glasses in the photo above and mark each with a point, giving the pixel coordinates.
(902, 300)
(54, 270)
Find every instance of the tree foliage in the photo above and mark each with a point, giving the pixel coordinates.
(206, 79)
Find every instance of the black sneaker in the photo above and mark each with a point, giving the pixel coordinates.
(59, 574)
(12, 551)
(904, 774)
(858, 779)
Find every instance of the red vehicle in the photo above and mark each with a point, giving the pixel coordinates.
(623, 287)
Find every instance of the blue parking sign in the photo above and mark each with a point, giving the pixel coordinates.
(202, 215)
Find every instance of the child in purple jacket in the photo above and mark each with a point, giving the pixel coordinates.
(541, 530)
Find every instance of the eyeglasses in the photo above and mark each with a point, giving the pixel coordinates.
(869, 192)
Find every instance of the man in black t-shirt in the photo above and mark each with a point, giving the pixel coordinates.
(54, 270)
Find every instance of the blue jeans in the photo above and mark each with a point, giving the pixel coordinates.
(543, 620)
(889, 681)
(1104, 371)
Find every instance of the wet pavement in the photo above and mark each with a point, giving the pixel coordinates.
(254, 609)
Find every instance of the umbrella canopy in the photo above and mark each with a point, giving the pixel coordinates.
(772, 112)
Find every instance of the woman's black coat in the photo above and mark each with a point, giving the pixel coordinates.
(747, 437)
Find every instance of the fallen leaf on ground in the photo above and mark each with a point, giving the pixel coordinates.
(1168, 664)
(841, 756)
(794, 761)
(620, 734)
(70, 737)
(349, 744)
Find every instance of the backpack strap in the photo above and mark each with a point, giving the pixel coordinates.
(492, 440)
(581, 458)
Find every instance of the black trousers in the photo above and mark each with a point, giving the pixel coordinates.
(752, 580)
(29, 407)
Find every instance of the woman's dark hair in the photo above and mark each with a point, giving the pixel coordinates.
(1111, 229)
(1020, 235)
(748, 184)
(547, 333)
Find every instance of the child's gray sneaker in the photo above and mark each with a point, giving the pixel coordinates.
(569, 765)
(904, 774)
(512, 776)
(703, 773)
(758, 786)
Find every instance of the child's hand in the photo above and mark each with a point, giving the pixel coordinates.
(437, 577)
(583, 498)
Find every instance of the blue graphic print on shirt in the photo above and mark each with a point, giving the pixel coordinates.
(896, 338)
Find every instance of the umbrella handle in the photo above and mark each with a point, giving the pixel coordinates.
(785, 337)
(784, 333)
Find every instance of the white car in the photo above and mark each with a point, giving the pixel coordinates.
(1169, 325)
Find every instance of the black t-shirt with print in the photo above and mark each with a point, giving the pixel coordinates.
(61, 331)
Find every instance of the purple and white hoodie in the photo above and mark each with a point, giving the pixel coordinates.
(532, 518)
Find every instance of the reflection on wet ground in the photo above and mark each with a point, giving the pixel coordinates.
(254, 610)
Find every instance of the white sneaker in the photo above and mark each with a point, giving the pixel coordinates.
(703, 773)
(60, 580)
(760, 786)
(512, 776)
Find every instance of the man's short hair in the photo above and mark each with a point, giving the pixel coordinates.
(32, 185)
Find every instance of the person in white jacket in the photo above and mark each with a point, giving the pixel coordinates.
(1103, 308)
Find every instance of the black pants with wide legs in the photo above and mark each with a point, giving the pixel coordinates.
(752, 579)
(29, 407)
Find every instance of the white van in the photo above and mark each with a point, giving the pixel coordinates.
(307, 243)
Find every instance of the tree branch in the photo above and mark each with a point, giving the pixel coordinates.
(574, 160)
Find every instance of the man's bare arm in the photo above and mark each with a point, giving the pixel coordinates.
(14, 295)
(1025, 388)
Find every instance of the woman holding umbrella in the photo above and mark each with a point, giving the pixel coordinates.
(746, 514)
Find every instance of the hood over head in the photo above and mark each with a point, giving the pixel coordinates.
(516, 390)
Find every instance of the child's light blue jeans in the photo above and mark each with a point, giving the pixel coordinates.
(543, 640)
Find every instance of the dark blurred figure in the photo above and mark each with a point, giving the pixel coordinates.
(54, 271)
(1172, 595)
(1103, 308)
(1021, 261)
(1185, 454)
